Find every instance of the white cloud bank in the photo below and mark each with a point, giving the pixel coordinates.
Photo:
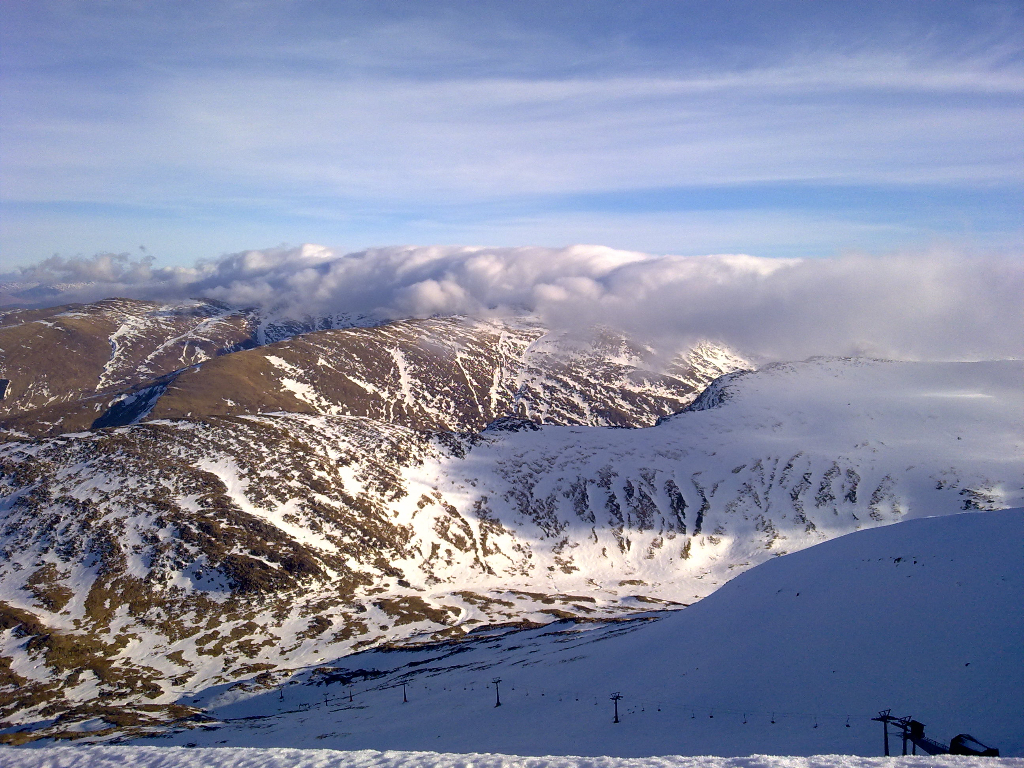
(907, 306)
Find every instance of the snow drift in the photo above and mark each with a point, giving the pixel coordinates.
(159, 757)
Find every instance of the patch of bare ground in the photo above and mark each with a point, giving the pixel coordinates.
(67, 366)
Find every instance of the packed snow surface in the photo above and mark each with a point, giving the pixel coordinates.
(792, 657)
(171, 757)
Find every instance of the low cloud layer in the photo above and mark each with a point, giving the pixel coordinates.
(910, 306)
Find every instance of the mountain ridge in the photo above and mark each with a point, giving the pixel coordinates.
(183, 553)
(121, 361)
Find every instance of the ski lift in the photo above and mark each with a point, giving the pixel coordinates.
(965, 744)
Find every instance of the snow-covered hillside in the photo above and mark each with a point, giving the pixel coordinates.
(793, 657)
(141, 562)
(116, 362)
(453, 374)
(162, 757)
(763, 463)
(66, 366)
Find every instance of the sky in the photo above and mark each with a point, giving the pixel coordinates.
(188, 130)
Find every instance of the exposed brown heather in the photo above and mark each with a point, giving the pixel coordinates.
(447, 373)
(241, 383)
(53, 361)
(424, 374)
(59, 418)
(65, 365)
(17, 316)
(106, 364)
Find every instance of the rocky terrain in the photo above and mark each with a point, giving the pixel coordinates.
(120, 545)
(794, 657)
(142, 562)
(119, 361)
(65, 367)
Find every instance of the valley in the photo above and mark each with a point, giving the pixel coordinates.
(283, 505)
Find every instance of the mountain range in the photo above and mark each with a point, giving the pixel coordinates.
(793, 657)
(120, 361)
(196, 496)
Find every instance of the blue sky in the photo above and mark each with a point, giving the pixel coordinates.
(771, 128)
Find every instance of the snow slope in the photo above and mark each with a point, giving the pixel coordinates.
(117, 361)
(922, 616)
(761, 464)
(140, 563)
(156, 757)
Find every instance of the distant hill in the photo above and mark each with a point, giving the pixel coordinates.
(120, 361)
(67, 366)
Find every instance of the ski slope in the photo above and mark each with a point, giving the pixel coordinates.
(922, 616)
(161, 757)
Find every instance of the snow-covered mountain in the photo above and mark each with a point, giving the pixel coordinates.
(452, 374)
(117, 362)
(145, 561)
(793, 657)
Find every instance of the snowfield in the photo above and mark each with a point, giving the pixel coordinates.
(194, 563)
(160, 757)
(792, 657)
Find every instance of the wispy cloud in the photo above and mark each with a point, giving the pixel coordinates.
(398, 139)
(292, 108)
